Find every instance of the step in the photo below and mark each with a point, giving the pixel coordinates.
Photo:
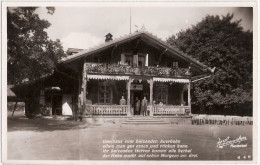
(142, 121)
(161, 122)
(143, 118)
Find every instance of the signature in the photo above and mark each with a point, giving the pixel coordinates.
(233, 143)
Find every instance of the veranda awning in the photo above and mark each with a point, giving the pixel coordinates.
(107, 77)
(160, 79)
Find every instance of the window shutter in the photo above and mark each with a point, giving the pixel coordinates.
(135, 61)
(122, 58)
(146, 60)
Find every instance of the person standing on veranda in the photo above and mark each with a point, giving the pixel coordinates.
(122, 101)
(137, 106)
(144, 107)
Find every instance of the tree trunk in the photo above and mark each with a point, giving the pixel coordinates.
(14, 108)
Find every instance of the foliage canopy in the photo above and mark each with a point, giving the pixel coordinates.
(31, 54)
(220, 42)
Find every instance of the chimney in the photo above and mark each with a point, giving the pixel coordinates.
(108, 37)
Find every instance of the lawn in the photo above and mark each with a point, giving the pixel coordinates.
(46, 139)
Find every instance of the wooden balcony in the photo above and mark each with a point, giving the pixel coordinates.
(117, 69)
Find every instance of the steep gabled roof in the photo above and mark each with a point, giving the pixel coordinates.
(128, 37)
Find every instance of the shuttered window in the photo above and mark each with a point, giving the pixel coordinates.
(122, 58)
(135, 61)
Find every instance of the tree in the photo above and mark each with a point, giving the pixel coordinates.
(220, 42)
(31, 54)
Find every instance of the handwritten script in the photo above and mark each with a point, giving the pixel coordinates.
(233, 143)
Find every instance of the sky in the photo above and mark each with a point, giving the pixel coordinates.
(85, 27)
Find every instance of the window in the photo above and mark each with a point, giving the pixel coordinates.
(161, 93)
(141, 61)
(134, 59)
(126, 59)
(129, 59)
(175, 64)
(104, 93)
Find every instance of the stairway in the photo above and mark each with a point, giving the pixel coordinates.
(144, 120)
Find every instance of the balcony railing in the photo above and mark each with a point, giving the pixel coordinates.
(123, 110)
(170, 110)
(134, 70)
(107, 110)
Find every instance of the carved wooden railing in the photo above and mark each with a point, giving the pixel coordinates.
(123, 110)
(135, 70)
(169, 110)
(107, 110)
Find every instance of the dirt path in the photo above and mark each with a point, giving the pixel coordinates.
(40, 139)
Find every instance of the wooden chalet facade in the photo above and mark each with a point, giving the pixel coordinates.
(92, 82)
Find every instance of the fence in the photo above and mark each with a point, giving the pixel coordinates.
(221, 120)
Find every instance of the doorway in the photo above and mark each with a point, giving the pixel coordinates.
(56, 104)
(137, 95)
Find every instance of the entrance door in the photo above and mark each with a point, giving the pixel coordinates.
(137, 95)
(57, 105)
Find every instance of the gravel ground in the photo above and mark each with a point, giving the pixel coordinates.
(47, 139)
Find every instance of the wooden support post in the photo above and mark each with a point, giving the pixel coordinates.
(189, 97)
(14, 108)
(151, 96)
(79, 95)
(128, 96)
(84, 88)
(182, 101)
(51, 105)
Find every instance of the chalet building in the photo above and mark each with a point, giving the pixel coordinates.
(94, 81)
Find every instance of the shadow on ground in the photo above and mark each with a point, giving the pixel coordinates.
(21, 123)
